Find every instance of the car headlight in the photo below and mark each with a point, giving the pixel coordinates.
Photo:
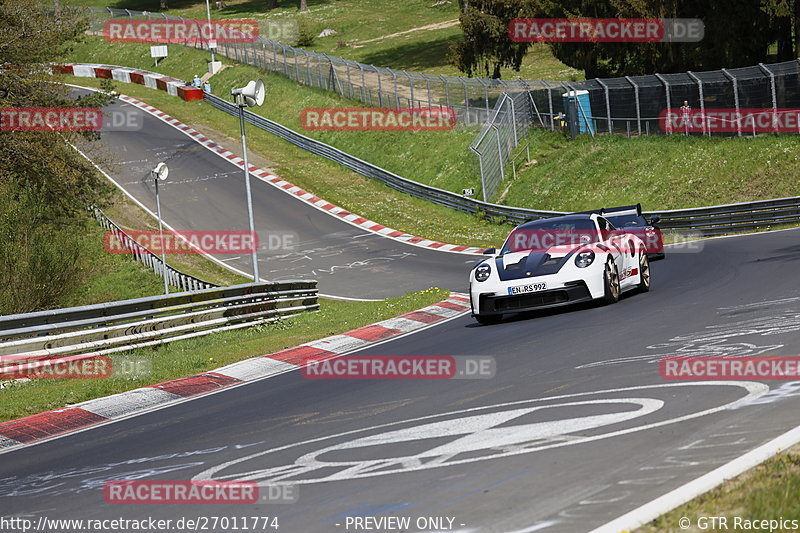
(482, 272)
(584, 259)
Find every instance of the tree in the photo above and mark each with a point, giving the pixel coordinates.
(303, 5)
(785, 15)
(46, 185)
(272, 4)
(487, 46)
(738, 33)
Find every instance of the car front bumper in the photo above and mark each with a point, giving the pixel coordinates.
(572, 292)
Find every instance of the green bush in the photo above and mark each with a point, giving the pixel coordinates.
(305, 34)
(41, 256)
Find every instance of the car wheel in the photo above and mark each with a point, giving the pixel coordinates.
(487, 320)
(644, 273)
(611, 282)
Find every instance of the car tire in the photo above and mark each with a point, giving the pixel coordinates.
(611, 282)
(644, 273)
(488, 320)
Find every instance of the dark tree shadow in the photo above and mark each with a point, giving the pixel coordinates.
(411, 56)
(245, 8)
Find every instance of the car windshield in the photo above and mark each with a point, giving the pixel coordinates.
(624, 221)
(544, 235)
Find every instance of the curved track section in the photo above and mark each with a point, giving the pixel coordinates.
(207, 192)
(576, 428)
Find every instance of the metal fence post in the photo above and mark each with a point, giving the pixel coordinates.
(608, 104)
(480, 166)
(411, 85)
(486, 94)
(349, 82)
(550, 103)
(669, 106)
(774, 96)
(638, 108)
(396, 96)
(513, 120)
(466, 97)
(702, 100)
(428, 80)
(500, 153)
(735, 84)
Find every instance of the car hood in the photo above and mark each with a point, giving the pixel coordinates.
(521, 265)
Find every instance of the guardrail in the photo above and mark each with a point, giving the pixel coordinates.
(176, 278)
(714, 220)
(89, 331)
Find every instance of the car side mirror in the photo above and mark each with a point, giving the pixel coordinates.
(489, 251)
(655, 219)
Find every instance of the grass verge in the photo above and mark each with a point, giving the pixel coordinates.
(108, 277)
(768, 491)
(413, 35)
(188, 357)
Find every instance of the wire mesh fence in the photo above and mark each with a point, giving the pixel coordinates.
(507, 110)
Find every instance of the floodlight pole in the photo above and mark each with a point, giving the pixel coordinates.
(208, 15)
(161, 235)
(240, 104)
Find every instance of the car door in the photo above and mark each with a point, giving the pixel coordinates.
(615, 243)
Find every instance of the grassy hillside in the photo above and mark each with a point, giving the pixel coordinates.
(661, 172)
(411, 35)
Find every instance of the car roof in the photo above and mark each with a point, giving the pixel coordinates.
(565, 218)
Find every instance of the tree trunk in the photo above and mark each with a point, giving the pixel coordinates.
(796, 18)
(163, 5)
(785, 50)
(272, 4)
(303, 5)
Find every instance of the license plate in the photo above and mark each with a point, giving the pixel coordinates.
(522, 289)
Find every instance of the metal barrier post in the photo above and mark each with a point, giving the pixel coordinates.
(550, 103)
(669, 106)
(702, 100)
(638, 108)
(735, 84)
(774, 96)
(608, 104)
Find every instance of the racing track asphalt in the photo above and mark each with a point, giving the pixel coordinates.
(207, 192)
(738, 296)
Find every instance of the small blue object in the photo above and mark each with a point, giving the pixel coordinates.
(207, 87)
(584, 107)
(197, 82)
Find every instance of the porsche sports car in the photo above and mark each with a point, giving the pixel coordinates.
(630, 218)
(558, 261)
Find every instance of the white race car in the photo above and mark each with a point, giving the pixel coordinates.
(558, 261)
